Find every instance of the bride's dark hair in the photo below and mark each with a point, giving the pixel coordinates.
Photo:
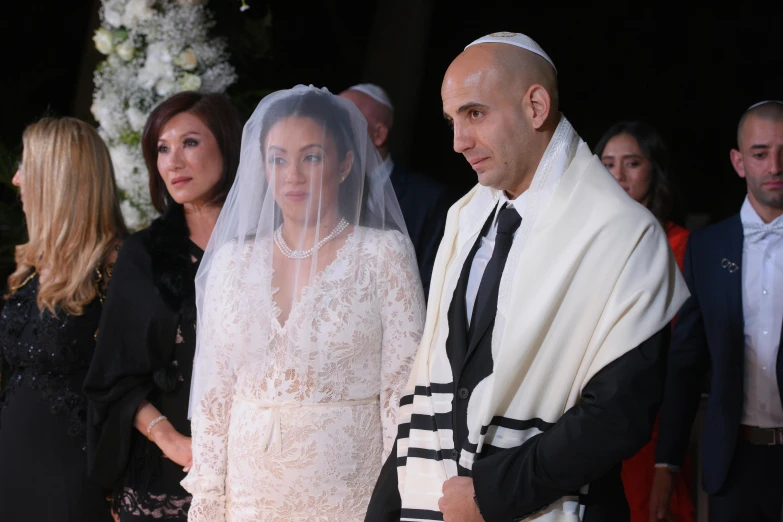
(328, 111)
(322, 108)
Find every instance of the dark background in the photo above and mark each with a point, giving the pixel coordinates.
(689, 72)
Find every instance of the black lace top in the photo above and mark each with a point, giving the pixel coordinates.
(145, 352)
(48, 353)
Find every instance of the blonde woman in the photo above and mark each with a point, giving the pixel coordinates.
(50, 320)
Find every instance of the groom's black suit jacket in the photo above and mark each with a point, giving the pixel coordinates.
(611, 422)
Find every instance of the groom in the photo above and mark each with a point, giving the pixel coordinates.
(540, 367)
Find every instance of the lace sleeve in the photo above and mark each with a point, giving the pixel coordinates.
(402, 302)
(211, 411)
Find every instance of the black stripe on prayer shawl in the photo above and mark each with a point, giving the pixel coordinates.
(407, 400)
(415, 515)
(442, 388)
(519, 425)
(423, 422)
(420, 453)
(434, 387)
(423, 391)
(487, 449)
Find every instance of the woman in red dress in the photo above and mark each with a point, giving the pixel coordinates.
(636, 156)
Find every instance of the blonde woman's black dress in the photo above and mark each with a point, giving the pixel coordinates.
(43, 454)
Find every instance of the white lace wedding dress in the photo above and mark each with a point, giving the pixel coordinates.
(276, 447)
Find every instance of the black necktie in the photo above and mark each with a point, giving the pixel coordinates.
(487, 296)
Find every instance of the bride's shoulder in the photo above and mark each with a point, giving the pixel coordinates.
(238, 250)
(385, 240)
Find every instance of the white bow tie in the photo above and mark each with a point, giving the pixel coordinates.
(755, 232)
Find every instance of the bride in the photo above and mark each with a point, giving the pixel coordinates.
(310, 311)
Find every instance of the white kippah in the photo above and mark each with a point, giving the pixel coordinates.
(759, 104)
(374, 92)
(518, 40)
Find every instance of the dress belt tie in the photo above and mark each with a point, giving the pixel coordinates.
(274, 434)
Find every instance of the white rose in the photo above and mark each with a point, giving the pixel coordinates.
(156, 66)
(190, 82)
(112, 17)
(187, 60)
(137, 11)
(146, 79)
(103, 41)
(164, 87)
(126, 50)
(158, 52)
(136, 118)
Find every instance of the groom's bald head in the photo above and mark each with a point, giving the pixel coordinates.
(503, 103)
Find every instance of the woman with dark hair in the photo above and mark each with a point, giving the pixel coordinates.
(636, 156)
(310, 313)
(139, 381)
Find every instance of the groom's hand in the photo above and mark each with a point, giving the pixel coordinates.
(457, 504)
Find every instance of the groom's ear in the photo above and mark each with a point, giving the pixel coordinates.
(346, 165)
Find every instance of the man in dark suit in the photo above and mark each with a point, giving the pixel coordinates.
(535, 176)
(423, 201)
(732, 324)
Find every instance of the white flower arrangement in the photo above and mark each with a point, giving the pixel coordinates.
(153, 48)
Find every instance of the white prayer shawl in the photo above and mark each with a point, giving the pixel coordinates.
(589, 277)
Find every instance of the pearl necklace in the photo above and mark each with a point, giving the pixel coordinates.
(304, 254)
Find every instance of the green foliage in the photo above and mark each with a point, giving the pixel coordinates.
(119, 35)
(130, 138)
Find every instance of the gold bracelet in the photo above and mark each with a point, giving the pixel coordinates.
(153, 423)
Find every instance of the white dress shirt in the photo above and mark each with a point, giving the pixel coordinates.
(555, 163)
(484, 253)
(762, 307)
